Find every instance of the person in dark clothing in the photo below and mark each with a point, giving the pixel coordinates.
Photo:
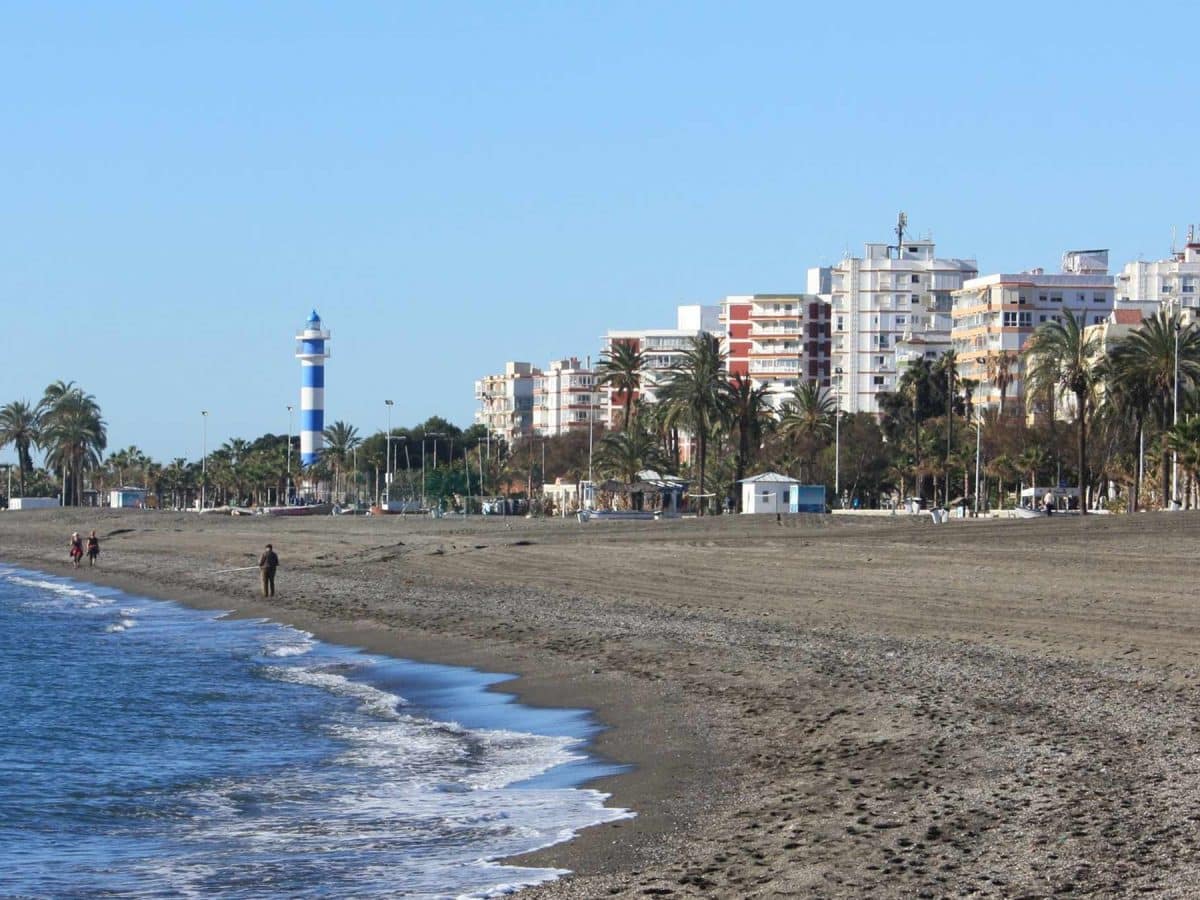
(93, 548)
(267, 564)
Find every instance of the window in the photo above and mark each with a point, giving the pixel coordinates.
(879, 360)
(1041, 298)
(1166, 288)
(1096, 320)
(899, 320)
(1188, 286)
(1010, 320)
(883, 341)
(916, 298)
(1097, 298)
(1025, 319)
(1018, 319)
(879, 380)
(1041, 318)
(1021, 300)
(1082, 298)
(916, 279)
(1056, 298)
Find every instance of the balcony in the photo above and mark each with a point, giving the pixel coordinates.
(775, 328)
(770, 366)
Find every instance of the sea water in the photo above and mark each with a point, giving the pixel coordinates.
(148, 749)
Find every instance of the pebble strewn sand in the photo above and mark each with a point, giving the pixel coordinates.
(828, 708)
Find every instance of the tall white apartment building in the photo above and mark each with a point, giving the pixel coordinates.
(890, 307)
(1151, 286)
(565, 398)
(994, 317)
(506, 401)
(778, 340)
(662, 349)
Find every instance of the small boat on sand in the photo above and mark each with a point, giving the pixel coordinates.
(311, 509)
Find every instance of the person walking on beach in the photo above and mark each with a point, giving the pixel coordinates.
(267, 564)
(93, 548)
(76, 549)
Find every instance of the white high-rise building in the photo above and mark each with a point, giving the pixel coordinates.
(1151, 286)
(890, 307)
(565, 398)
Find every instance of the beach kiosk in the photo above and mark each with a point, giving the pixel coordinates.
(772, 493)
(127, 498)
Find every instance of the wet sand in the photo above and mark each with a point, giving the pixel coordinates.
(827, 708)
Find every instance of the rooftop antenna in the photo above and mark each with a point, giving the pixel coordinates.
(901, 224)
(1173, 240)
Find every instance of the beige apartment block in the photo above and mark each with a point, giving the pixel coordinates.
(995, 316)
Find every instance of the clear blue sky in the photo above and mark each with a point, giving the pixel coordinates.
(453, 185)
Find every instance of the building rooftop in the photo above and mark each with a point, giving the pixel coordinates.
(769, 478)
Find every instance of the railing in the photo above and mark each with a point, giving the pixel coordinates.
(774, 365)
(784, 329)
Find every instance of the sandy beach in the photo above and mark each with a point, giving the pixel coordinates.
(824, 708)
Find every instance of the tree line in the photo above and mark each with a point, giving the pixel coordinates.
(1091, 416)
(1112, 421)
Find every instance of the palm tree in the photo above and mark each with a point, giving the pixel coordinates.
(625, 453)
(340, 441)
(20, 425)
(1142, 367)
(1183, 439)
(748, 409)
(1000, 373)
(694, 392)
(947, 368)
(807, 418)
(1061, 358)
(1003, 469)
(621, 368)
(177, 478)
(1033, 459)
(124, 463)
(73, 435)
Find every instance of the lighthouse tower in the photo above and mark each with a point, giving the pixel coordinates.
(312, 351)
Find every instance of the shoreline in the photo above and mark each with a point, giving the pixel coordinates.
(829, 708)
(608, 748)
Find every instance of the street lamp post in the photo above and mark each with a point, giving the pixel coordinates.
(837, 432)
(980, 360)
(203, 455)
(591, 419)
(387, 468)
(1175, 419)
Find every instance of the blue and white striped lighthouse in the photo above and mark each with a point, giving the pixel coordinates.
(312, 351)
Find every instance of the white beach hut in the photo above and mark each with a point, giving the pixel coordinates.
(771, 492)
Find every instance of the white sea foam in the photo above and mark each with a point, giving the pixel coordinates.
(372, 700)
(63, 590)
(289, 642)
(123, 625)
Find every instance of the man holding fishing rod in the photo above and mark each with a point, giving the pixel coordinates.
(267, 564)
